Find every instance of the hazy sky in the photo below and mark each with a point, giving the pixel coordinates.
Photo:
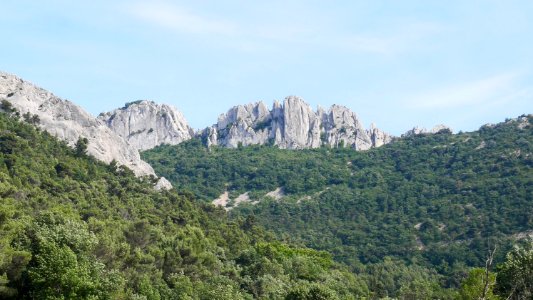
(396, 63)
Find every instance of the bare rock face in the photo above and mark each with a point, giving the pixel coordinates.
(163, 184)
(145, 124)
(241, 125)
(69, 122)
(415, 131)
(421, 130)
(292, 125)
(378, 137)
(343, 128)
(440, 128)
(301, 126)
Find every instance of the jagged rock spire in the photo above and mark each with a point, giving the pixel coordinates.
(293, 125)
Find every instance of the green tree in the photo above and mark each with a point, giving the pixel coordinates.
(311, 292)
(62, 266)
(6, 106)
(474, 285)
(515, 275)
(81, 146)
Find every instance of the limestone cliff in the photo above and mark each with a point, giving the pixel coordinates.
(293, 125)
(141, 125)
(69, 122)
(145, 124)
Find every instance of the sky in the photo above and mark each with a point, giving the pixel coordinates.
(395, 63)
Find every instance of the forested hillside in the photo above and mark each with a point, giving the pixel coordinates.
(74, 228)
(437, 200)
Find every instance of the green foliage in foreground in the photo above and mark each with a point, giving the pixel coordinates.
(74, 228)
(515, 275)
(435, 201)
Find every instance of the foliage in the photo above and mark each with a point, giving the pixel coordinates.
(128, 104)
(436, 201)
(81, 146)
(474, 285)
(6, 106)
(515, 275)
(74, 228)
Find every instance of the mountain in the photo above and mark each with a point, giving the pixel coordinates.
(72, 227)
(440, 200)
(145, 124)
(141, 125)
(407, 220)
(69, 122)
(292, 125)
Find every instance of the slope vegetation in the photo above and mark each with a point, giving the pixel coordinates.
(74, 228)
(437, 200)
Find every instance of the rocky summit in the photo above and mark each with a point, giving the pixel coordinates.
(141, 125)
(293, 125)
(145, 124)
(70, 122)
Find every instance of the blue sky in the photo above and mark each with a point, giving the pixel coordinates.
(395, 63)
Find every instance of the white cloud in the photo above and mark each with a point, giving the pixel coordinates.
(179, 19)
(495, 89)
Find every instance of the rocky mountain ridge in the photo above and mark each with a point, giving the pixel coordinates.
(293, 124)
(70, 122)
(289, 125)
(141, 125)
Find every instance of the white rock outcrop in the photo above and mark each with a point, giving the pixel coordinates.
(163, 184)
(145, 124)
(378, 137)
(293, 125)
(421, 130)
(69, 122)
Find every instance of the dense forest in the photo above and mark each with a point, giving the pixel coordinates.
(74, 228)
(438, 202)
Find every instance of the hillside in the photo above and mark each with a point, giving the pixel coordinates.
(69, 122)
(72, 227)
(437, 200)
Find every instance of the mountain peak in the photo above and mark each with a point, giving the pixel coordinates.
(292, 124)
(145, 124)
(70, 122)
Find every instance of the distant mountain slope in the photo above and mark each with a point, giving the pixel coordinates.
(69, 122)
(72, 227)
(440, 198)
